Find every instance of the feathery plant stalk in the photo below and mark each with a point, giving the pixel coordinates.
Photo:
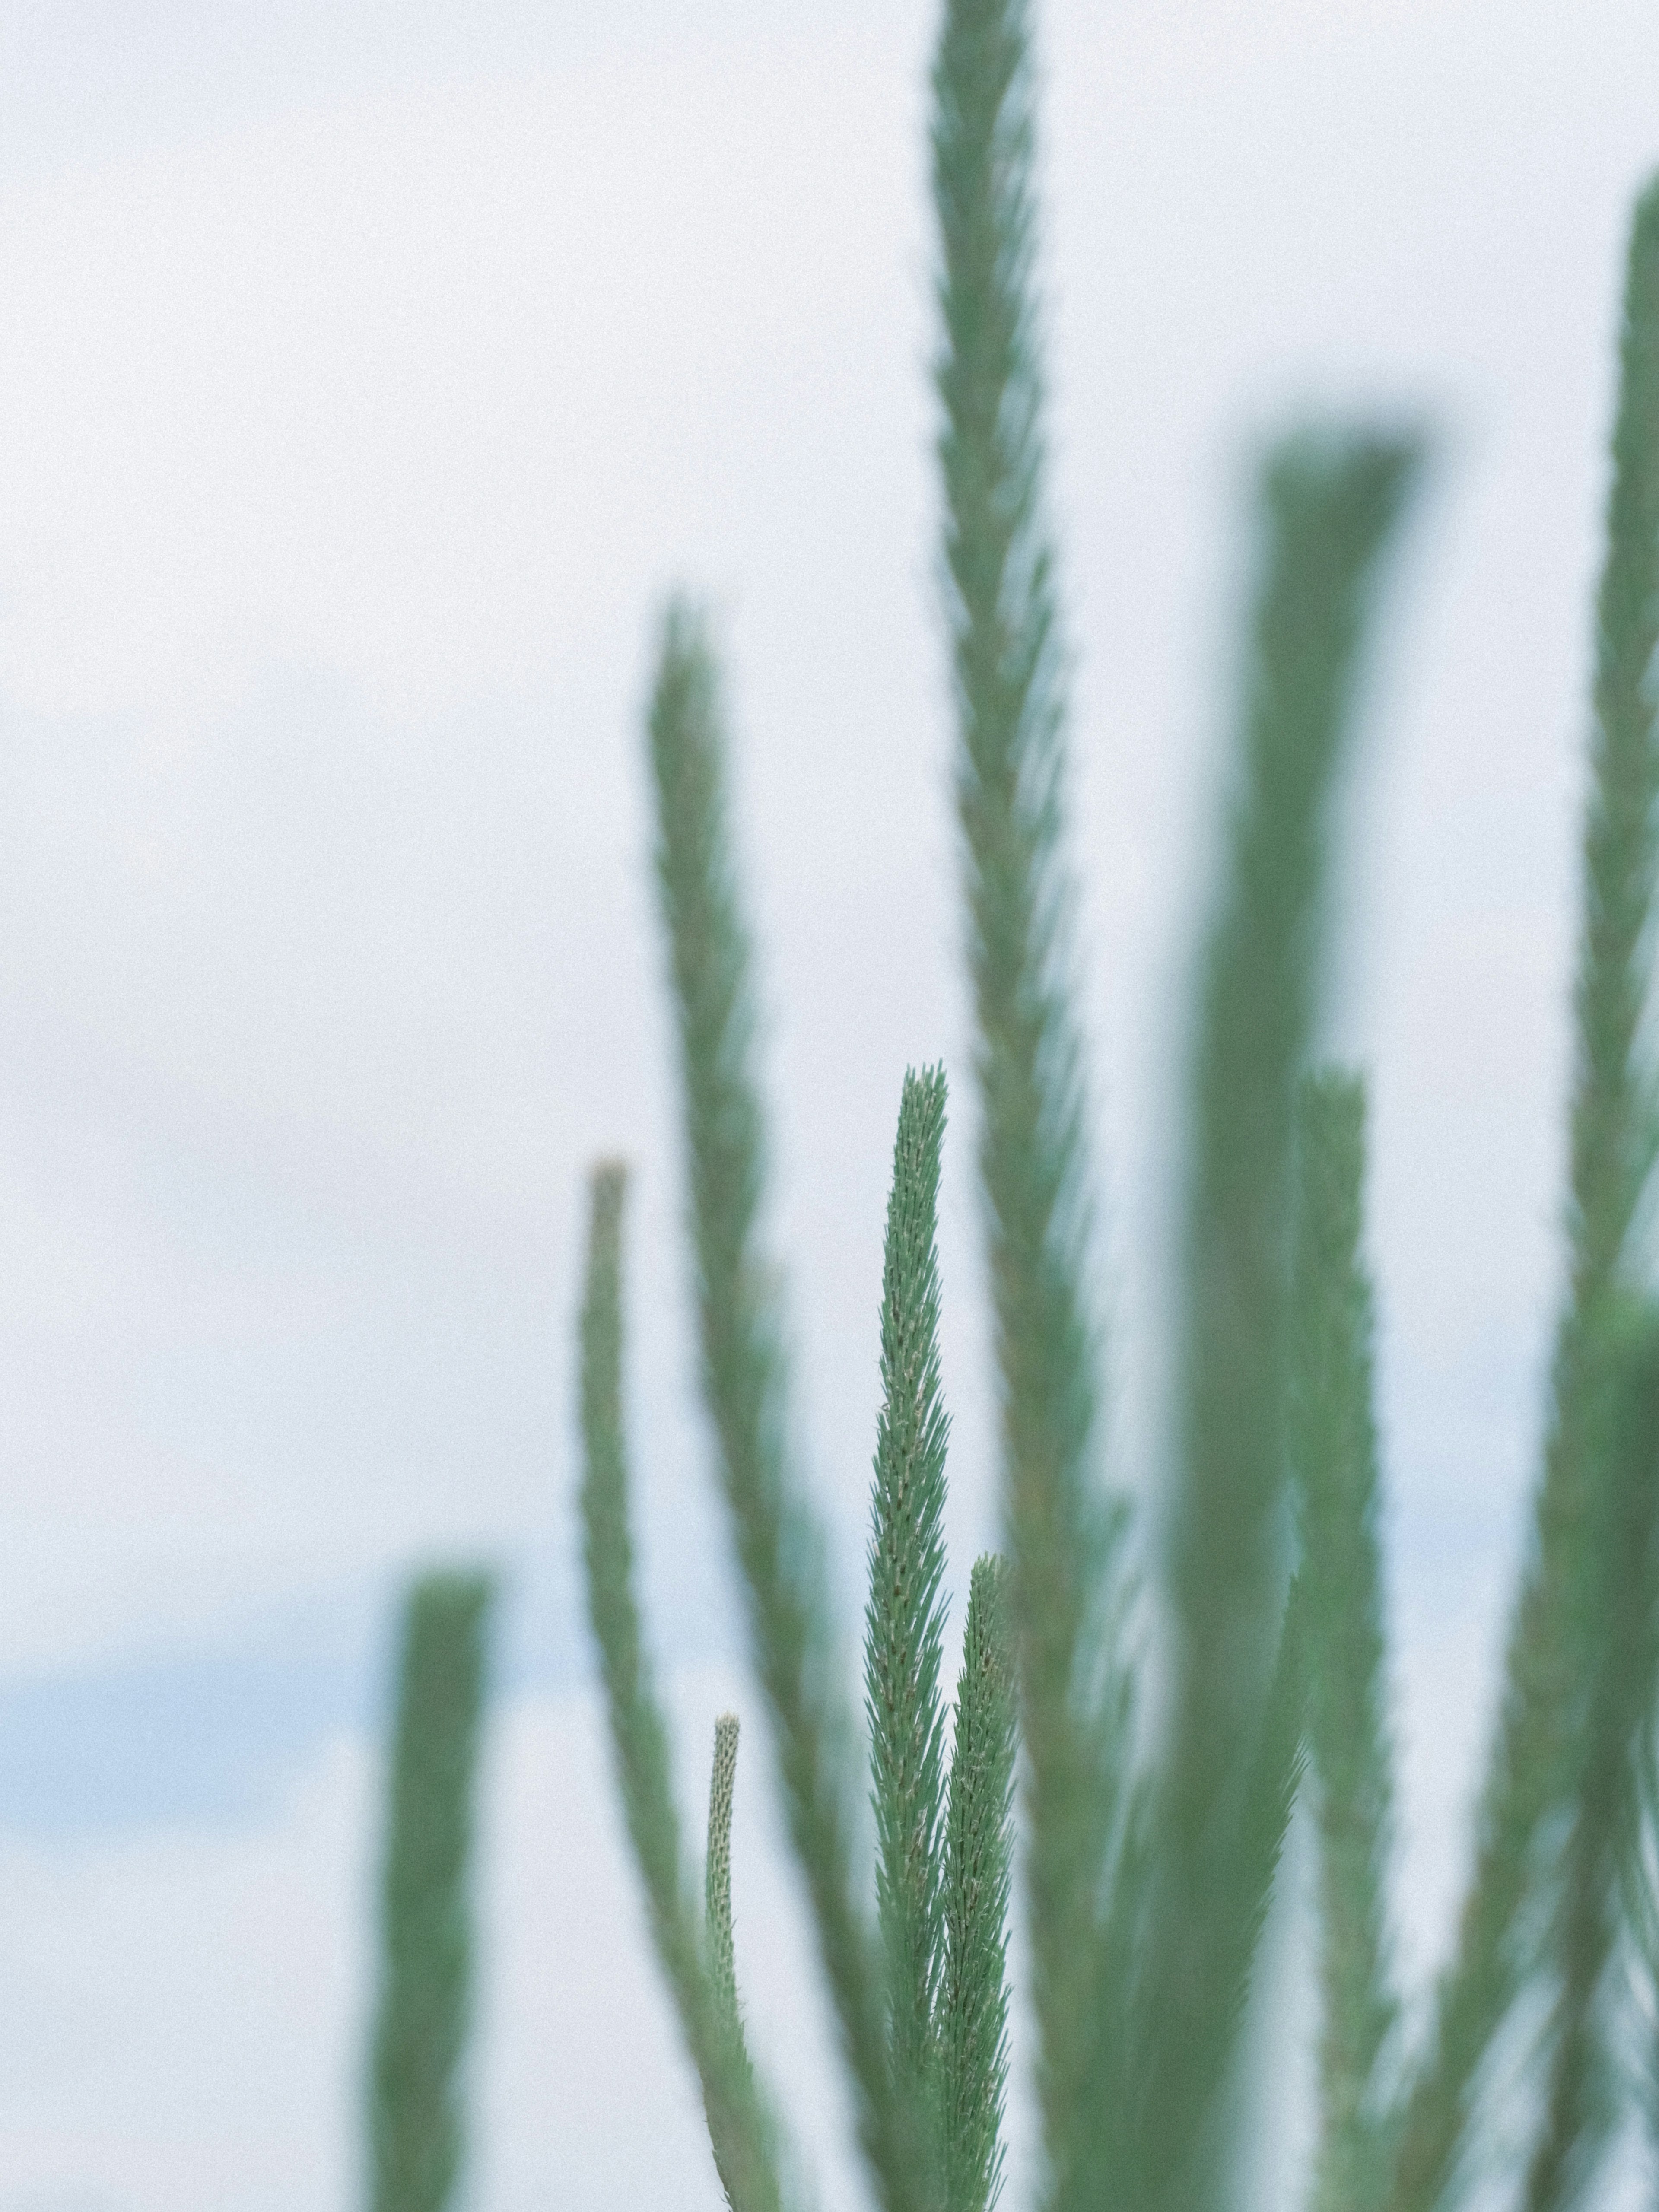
(1333, 1460)
(943, 1869)
(944, 1878)
(904, 1621)
(1619, 1637)
(1540, 1737)
(1005, 654)
(1329, 506)
(978, 1876)
(1612, 1113)
(717, 1890)
(1613, 1134)
(417, 2127)
(778, 1545)
(704, 1990)
(1148, 1878)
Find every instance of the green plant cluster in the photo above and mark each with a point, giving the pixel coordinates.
(1150, 1832)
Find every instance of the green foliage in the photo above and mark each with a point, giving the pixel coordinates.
(1006, 653)
(940, 1977)
(904, 1621)
(416, 2127)
(1613, 1121)
(1332, 1461)
(1601, 1449)
(943, 1868)
(778, 1546)
(717, 1880)
(704, 1988)
(1149, 1846)
(1329, 506)
(1618, 1640)
(978, 1876)
(1535, 1776)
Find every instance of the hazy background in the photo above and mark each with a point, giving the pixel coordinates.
(368, 374)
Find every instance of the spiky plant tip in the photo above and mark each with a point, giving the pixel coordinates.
(1007, 655)
(778, 1546)
(904, 1623)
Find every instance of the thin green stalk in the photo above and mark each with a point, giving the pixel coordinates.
(1330, 508)
(1533, 1765)
(1274, 1783)
(417, 2119)
(1639, 1900)
(1006, 655)
(1619, 1641)
(1617, 1139)
(739, 2128)
(974, 2012)
(717, 1877)
(1333, 1455)
(778, 1545)
(905, 1622)
(1613, 1120)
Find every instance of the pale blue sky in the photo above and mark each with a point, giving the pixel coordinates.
(368, 374)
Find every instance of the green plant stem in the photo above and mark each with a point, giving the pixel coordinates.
(1619, 1642)
(1532, 1771)
(904, 1624)
(739, 2127)
(1329, 507)
(417, 2118)
(1333, 1440)
(1613, 1152)
(778, 1546)
(973, 2026)
(1000, 603)
(717, 1880)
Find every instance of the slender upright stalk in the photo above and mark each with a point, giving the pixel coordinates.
(1619, 1641)
(1333, 1457)
(1329, 507)
(1006, 653)
(904, 1621)
(1612, 1150)
(1612, 1111)
(718, 1924)
(737, 2126)
(417, 2119)
(1534, 1770)
(779, 1548)
(974, 2010)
